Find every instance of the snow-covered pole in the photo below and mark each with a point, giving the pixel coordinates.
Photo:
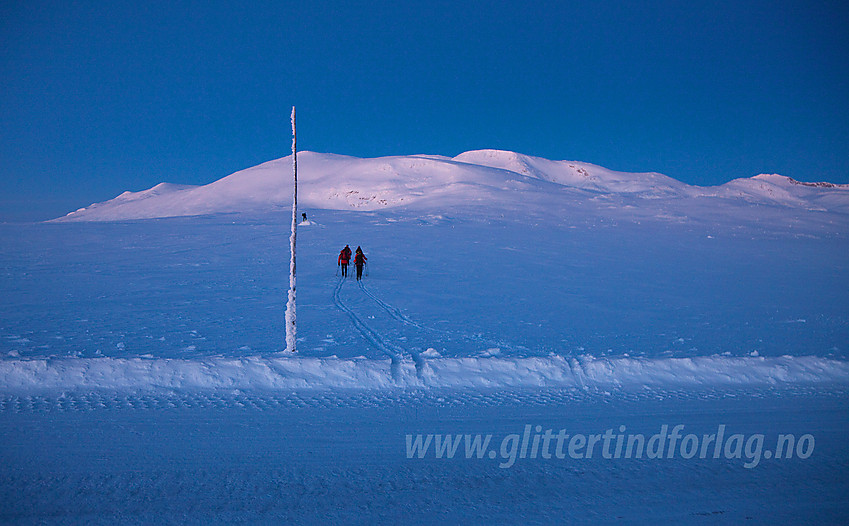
(290, 305)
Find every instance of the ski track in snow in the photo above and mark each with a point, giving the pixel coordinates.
(396, 313)
(367, 332)
(399, 316)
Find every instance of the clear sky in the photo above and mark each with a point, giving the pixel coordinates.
(100, 97)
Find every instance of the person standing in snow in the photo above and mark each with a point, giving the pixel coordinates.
(344, 258)
(360, 260)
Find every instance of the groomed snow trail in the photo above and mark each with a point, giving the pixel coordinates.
(340, 458)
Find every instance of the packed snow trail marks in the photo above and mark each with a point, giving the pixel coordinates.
(578, 373)
(398, 315)
(370, 335)
(395, 312)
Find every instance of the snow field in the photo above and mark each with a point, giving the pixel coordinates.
(449, 287)
(143, 378)
(316, 457)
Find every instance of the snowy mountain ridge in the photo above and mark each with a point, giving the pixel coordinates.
(496, 178)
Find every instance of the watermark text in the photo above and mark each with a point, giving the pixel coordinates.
(669, 442)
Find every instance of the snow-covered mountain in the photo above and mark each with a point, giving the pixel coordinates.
(498, 179)
(144, 378)
(577, 174)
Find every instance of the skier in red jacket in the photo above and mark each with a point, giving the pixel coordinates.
(344, 259)
(359, 260)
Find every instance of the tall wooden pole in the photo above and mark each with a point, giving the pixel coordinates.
(291, 325)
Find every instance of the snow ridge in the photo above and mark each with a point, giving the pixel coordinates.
(493, 178)
(276, 373)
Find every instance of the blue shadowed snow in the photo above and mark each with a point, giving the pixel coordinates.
(142, 378)
(184, 288)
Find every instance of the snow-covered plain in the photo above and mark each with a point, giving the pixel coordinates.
(143, 378)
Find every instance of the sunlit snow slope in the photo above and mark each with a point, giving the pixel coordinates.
(492, 178)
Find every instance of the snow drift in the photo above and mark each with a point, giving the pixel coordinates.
(275, 373)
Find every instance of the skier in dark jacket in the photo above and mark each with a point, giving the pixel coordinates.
(360, 260)
(344, 259)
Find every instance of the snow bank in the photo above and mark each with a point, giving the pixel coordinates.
(333, 373)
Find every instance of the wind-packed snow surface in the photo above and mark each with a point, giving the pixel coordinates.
(144, 378)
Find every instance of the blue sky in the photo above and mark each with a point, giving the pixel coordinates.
(101, 97)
